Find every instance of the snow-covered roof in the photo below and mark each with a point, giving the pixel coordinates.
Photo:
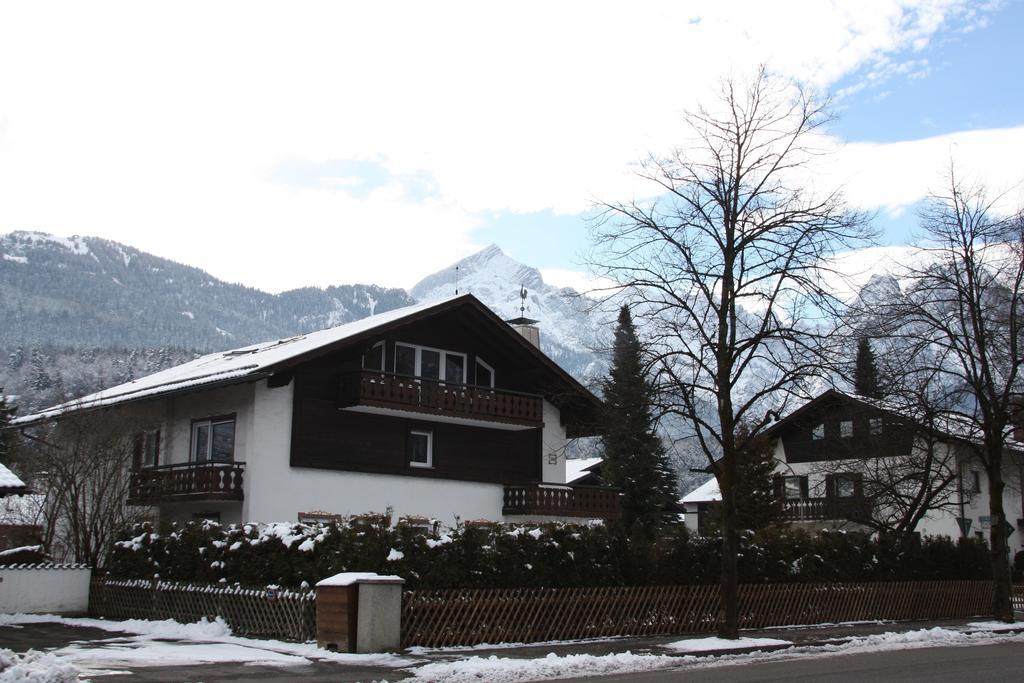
(9, 482)
(705, 493)
(579, 468)
(249, 362)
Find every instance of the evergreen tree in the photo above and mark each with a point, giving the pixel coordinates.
(865, 373)
(6, 415)
(634, 457)
(756, 504)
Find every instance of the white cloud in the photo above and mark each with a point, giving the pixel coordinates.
(164, 125)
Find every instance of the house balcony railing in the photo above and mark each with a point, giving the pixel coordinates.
(595, 502)
(200, 481)
(387, 390)
(816, 509)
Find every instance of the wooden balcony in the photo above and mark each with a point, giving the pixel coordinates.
(817, 509)
(187, 481)
(594, 502)
(374, 389)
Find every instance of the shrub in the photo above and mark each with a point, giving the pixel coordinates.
(491, 555)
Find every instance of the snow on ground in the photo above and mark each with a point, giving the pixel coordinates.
(508, 670)
(712, 644)
(35, 667)
(167, 643)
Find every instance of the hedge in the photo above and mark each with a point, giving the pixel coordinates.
(517, 555)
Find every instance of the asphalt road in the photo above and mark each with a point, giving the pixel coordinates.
(982, 663)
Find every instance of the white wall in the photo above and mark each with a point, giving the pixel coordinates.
(51, 590)
(937, 522)
(553, 446)
(275, 491)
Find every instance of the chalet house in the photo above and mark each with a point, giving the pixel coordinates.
(438, 410)
(826, 454)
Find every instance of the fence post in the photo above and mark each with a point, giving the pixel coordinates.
(359, 612)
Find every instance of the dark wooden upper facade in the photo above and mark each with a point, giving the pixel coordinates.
(837, 427)
(350, 417)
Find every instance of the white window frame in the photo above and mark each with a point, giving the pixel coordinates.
(209, 439)
(443, 361)
(429, 464)
(383, 357)
(490, 369)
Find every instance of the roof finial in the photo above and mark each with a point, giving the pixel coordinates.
(456, 280)
(522, 302)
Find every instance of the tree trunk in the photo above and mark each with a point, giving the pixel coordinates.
(999, 551)
(728, 589)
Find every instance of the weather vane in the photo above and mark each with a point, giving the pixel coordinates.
(522, 304)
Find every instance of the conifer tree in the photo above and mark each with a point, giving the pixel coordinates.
(6, 415)
(865, 373)
(634, 457)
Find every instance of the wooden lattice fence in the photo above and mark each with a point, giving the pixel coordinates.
(255, 612)
(468, 617)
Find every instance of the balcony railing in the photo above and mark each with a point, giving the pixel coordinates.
(815, 509)
(595, 502)
(401, 392)
(187, 481)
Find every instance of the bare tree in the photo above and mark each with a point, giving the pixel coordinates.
(961, 320)
(726, 273)
(900, 490)
(83, 479)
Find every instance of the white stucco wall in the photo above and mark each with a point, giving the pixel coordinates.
(553, 446)
(50, 590)
(936, 522)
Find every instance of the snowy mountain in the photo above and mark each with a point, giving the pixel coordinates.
(83, 313)
(570, 332)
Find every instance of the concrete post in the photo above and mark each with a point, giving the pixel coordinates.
(359, 612)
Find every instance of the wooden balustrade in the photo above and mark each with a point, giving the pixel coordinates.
(596, 502)
(187, 481)
(387, 390)
(814, 509)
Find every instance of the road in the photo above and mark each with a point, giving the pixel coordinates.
(989, 663)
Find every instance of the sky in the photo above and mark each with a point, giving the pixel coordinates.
(302, 143)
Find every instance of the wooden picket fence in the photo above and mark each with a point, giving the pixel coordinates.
(441, 618)
(255, 612)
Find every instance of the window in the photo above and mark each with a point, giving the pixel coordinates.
(213, 440)
(428, 363)
(875, 425)
(846, 429)
(975, 481)
(818, 433)
(146, 449)
(794, 488)
(421, 448)
(484, 374)
(846, 485)
(373, 359)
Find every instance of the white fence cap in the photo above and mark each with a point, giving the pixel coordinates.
(349, 578)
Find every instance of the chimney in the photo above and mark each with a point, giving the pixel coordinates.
(528, 328)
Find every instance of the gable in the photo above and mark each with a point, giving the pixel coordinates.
(835, 427)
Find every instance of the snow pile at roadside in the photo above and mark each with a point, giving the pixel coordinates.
(496, 669)
(35, 667)
(712, 644)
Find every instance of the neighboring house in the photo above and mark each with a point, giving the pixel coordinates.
(437, 410)
(698, 503)
(15, 530)
(832, 452)
(584, 472)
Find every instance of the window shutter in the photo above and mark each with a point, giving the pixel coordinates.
(138, 443)
(830, 485)
(858, 485)
(804, 493)
(777, 487)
